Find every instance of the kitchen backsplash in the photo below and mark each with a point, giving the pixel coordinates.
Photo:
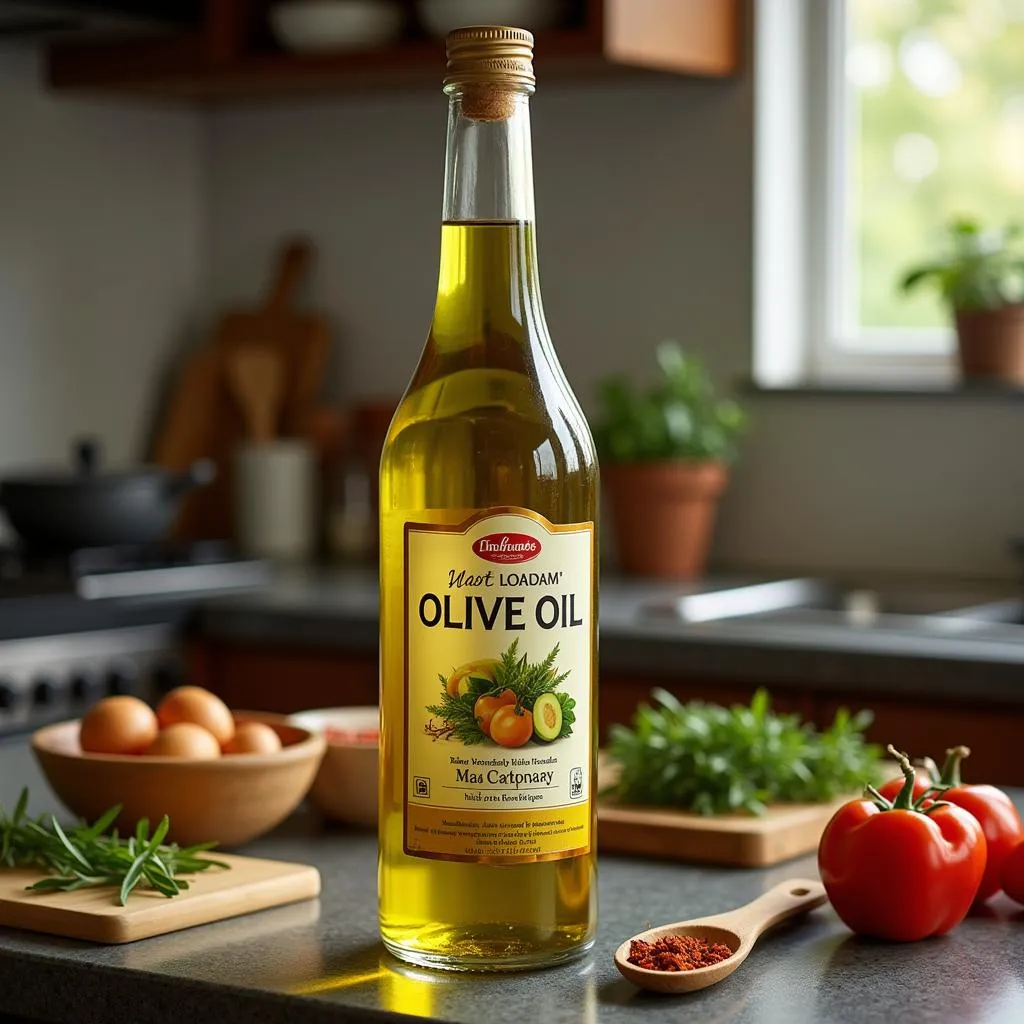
(126, 228)
(101, 228)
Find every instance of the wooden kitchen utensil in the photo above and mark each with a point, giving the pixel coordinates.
(254, 377)
(738, 929)
(303, 340)
(204, 418)
(94, 914)
(190, 422)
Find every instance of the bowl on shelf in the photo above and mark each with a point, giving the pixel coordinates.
(345, 788)
(439, 17)
(323, 26)
(228, 800)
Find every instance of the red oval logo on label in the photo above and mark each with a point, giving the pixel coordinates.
(507, 547)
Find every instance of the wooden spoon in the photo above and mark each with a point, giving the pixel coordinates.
(256, 380)
(738, 929)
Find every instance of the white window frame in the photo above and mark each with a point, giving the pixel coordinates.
(802, 245)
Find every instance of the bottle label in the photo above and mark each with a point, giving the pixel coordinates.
(498, 688)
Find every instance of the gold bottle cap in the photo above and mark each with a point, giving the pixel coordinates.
(490, 54)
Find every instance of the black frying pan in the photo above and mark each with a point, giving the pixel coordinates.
(63, 510)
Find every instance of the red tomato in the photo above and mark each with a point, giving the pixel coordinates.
(1012, 874)
(995, 812)
(899, 873)
(511, 727)
(486, 706)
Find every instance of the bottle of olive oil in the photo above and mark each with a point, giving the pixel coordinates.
(488, 578)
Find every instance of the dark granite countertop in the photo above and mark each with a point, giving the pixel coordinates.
(337, 608)
(321, 961)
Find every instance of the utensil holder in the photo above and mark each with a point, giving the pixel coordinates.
(275, 487)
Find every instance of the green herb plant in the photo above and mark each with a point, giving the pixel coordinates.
(710, 759)
(981, 269)
(679, 417)
(84, 857)
(527, 680)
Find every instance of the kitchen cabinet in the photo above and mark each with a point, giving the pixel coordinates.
(233, 55)
(992, 733)
(283, 679)
(286, 678)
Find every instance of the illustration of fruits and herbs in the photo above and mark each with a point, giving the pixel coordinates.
(509, 701)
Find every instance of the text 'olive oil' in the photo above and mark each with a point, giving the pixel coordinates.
(488, 575)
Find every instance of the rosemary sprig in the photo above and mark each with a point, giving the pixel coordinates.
(83, 856)
(526, 680)
(458, 720)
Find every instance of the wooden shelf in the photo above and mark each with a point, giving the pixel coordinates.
(220, 63)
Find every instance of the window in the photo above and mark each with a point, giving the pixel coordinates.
(912, 113)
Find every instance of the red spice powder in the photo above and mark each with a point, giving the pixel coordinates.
(677, 953)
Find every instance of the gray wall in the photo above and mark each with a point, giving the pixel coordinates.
(920, 485)
(101, 238)
(643, 213)
(120, 223)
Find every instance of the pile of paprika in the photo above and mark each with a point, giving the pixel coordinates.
(677, 953)
(902, 869)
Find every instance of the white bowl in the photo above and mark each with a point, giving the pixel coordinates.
(439, 17)
(320, 26)
(345, 788)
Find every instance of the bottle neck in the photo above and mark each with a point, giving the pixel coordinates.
(489, 163)
(488, 275)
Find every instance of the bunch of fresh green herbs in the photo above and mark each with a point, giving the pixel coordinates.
(681, 416)
(710, 759)
(981, 269)
(527, 680)
(83, 857)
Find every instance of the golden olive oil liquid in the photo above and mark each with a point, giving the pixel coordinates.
(488, 421)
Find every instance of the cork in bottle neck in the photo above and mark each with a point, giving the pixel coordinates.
(489, 66)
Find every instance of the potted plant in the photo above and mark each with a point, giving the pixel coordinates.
(982, 280)
(664, 457)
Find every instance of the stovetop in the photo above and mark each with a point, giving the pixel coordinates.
(131, 571)
(77, 626)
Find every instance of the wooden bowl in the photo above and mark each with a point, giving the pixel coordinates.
(345, 788)
(229, 800)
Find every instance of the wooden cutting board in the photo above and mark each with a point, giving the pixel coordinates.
(737, 840)
(94, 914)
(203, 419)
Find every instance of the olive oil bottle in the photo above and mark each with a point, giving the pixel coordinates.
(489, 497)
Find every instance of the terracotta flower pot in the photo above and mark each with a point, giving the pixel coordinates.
(663, 514)
(991, 343)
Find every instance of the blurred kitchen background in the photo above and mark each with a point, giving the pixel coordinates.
(751, 179)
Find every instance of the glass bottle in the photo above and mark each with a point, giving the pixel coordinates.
(489, 500)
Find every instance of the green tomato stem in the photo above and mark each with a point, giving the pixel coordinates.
(905, 798)
(951, 769)
(870, 793)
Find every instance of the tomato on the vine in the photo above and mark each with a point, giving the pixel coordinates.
(900, 870)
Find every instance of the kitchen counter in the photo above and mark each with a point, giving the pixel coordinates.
(321, 961)
(334, 608)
